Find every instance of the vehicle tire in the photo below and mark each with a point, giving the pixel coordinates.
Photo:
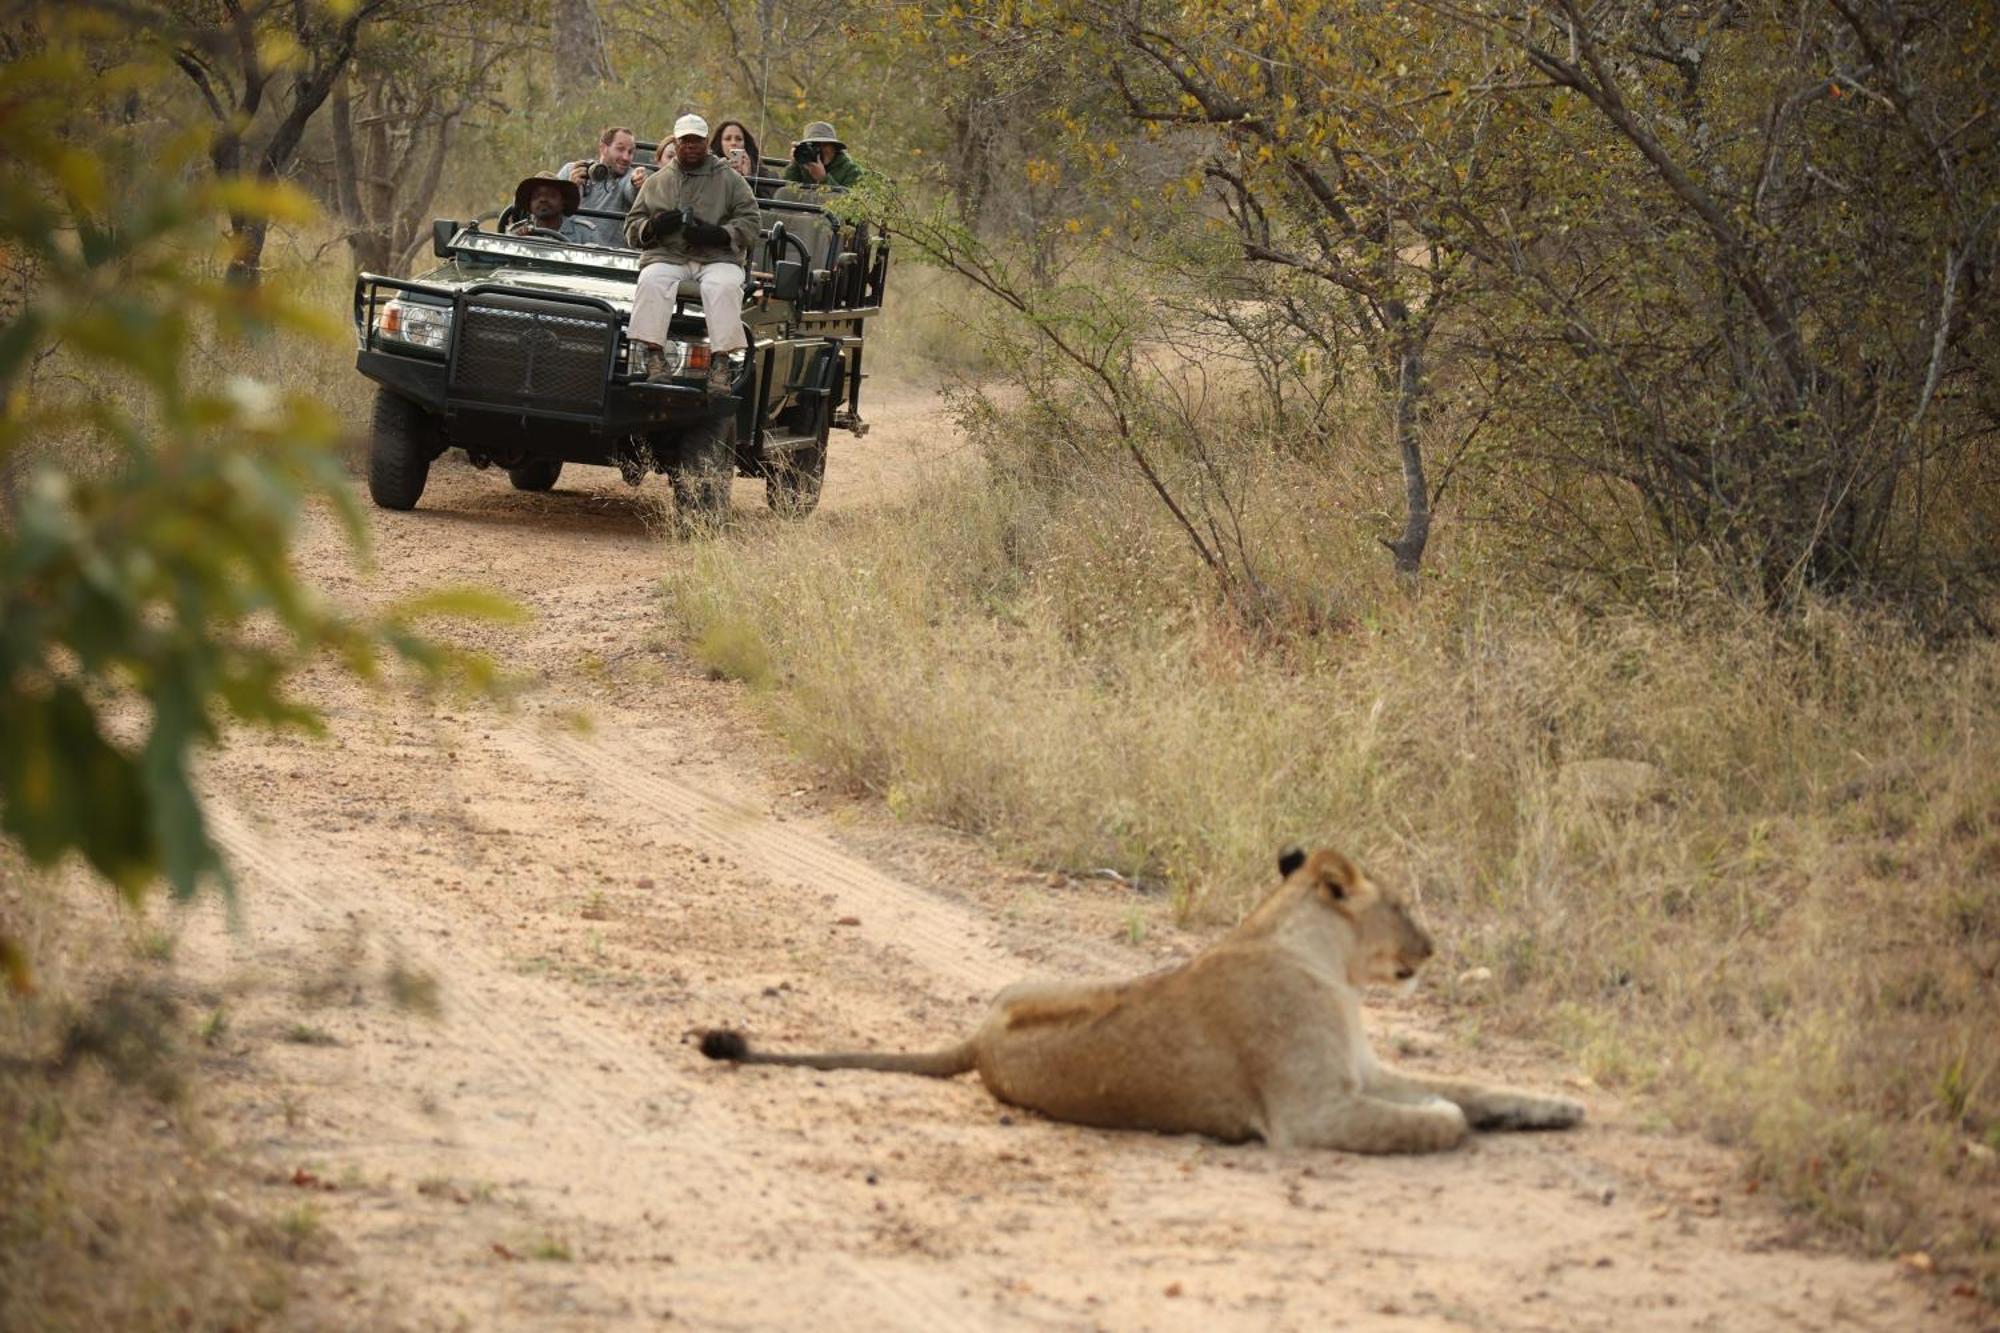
(403, 440)
(792, 482)
(704, 465)
(537, 474)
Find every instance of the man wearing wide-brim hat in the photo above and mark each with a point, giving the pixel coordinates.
(546, 204)
(820, 158)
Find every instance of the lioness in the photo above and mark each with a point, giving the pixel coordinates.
(1257, 1037)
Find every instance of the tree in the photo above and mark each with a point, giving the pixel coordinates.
(1329, 157)
(1092, 331)
(1760, 299)
(582, 61)
(1712, 279)
(394, 116)
(242, 58)
(145, 587)
(767, 48)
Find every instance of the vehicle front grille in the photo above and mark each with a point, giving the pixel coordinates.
(514, 351)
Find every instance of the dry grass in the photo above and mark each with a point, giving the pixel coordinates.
(1778, 913)
(115, 1211)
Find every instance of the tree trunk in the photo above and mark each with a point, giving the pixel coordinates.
(581, 60)
(390, 144)
(367, 244)
(1408, 344)
(346, 194)
(246, 249)
(309, 93)
(376, 186)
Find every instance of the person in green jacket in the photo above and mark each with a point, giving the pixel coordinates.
(820, 158)
(694, 218)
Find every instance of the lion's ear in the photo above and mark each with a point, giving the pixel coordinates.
(1289, 860)
(1337, 875)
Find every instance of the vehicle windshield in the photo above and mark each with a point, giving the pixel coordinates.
(496, 248)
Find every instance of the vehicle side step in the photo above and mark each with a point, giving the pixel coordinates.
(779, 444)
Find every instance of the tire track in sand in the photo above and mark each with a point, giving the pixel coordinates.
(951, 942)
(588, 1138)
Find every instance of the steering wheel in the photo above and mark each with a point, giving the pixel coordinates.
(510, 217)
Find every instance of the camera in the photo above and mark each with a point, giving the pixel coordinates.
(802, 153)
(599, 171)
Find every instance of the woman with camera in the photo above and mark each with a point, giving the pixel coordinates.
(735, 145)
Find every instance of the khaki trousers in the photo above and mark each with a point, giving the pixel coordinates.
(721, 302)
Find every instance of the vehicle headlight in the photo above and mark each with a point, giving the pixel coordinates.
(683, 358)
(414, 323)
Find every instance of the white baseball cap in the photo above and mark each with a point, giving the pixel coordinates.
(690, 124)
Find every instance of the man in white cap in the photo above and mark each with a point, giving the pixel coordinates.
(820, 158)
(694, 218)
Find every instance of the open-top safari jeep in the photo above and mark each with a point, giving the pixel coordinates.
(514, 350)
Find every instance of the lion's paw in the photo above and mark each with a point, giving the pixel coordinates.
(1445, 1125)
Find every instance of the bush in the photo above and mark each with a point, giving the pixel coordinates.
(147, 502)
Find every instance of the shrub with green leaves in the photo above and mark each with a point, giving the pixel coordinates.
(146, 513)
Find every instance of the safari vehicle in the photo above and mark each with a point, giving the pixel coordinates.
(514, 350)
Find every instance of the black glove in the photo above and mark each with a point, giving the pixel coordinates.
(662, 225)
(709, 235)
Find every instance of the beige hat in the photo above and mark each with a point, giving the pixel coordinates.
(690, 124)
(821, 131)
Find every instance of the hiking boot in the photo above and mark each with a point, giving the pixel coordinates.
(721, 374)
(653, 364)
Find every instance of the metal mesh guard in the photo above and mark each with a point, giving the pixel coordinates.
(530, 354)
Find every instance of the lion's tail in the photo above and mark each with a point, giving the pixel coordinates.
(724, 1044)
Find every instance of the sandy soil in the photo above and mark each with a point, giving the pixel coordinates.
(548, 1151)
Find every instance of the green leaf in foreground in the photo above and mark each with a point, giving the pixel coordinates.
(147, 514)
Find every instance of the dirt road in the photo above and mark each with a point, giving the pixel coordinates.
(548, 1152)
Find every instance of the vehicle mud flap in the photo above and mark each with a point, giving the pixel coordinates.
(704, 466)
(794, 476)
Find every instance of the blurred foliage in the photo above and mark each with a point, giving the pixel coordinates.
(146, 588)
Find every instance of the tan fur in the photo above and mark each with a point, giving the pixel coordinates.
(1258, 1037)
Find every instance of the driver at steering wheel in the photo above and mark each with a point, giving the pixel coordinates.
(547, 203)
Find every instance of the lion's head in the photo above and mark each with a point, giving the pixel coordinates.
(1344, 916)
